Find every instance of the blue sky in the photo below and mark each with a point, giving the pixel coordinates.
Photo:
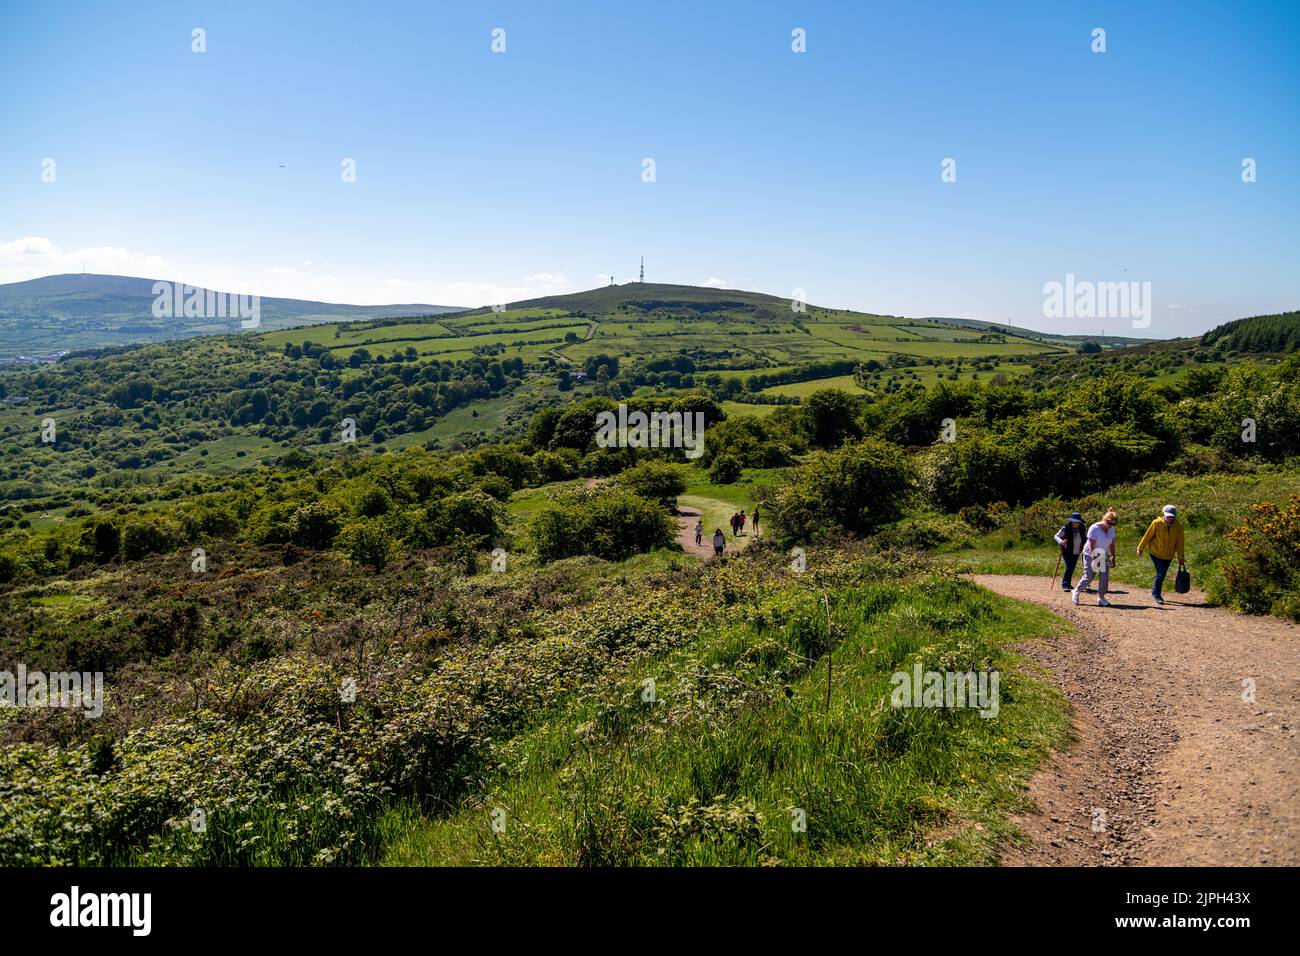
(485, 177)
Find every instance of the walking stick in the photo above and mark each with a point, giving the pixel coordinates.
(1058, 563)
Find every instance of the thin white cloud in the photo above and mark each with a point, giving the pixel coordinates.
(34, 256)
(713, 282)
(31, 257)
(532, 286)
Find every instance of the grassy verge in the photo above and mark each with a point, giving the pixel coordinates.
(737, 746)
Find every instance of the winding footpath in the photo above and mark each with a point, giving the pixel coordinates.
(1174, 763)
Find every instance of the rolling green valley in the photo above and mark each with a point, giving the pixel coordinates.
(385, 575)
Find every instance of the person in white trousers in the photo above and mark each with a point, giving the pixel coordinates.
(1098, 558)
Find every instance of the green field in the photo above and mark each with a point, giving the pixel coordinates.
(751, 333)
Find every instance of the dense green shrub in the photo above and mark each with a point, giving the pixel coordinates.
(914, 415)
(495, 486)
(725, 469)
(921, 533)
(832, 417)
(755, 442)
(984, 517)
(314, 525)
(472, 516)
(9, 567)
(851, 490)
(102, 537)
(1041, 520)
(145, 535)
(373, 502)
(1050, 452)
(659, 481)
(608, 524)
(559, 465)
(369, 543)
(509, 463)
(270, 524)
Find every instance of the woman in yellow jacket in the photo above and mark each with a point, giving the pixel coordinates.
(1163, 539)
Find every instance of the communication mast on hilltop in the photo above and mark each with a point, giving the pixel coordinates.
(643, 268)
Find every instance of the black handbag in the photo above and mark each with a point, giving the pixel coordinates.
(1182, 581)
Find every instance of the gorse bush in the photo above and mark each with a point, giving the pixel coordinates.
(984, 517)
(314, 525)
(1262, 575)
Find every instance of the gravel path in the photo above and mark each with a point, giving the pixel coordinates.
(1172, 762)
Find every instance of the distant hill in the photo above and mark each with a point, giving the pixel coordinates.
(692, 328)
(80, 311)
(649, 296)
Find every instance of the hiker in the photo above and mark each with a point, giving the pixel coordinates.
(699, 531)
(754, 519)
(740, 520)
(1070, 540)
(719, 542)
(1098, 558)
(1163, 539)
(735, 526)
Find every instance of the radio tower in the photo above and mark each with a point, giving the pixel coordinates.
(643, 268)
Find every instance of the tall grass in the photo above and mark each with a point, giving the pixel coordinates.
(740, 748)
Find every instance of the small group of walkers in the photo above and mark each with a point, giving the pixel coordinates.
(738, 522)
(1096, 546)
(719, 539)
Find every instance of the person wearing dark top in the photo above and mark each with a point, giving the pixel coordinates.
(1071, 540)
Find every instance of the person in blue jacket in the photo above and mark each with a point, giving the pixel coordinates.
(1071, 540)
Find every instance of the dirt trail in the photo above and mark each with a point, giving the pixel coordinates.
(1186, 771)
(559, 356)
(686, 518)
